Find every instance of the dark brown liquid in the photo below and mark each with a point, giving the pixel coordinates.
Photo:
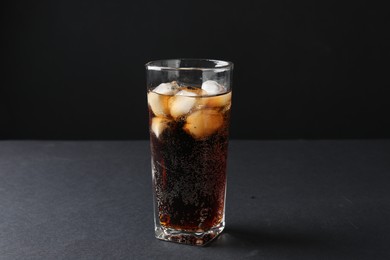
(190, 175)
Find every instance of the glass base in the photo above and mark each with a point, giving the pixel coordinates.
(189, 238)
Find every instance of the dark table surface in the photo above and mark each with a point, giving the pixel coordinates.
(285, 200)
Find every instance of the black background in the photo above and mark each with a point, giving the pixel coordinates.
(303, 69)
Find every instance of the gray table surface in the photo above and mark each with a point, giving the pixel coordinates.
(286, 200)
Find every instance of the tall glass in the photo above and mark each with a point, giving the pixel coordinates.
(189, 104)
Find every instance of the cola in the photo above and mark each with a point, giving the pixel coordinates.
(189, 143)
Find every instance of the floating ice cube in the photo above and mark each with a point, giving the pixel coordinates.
(159, 124)
(167, 88)
(181, 104)
(158, 103)
(212, 87)
(217, 101)
(186, 93)
(203, 123)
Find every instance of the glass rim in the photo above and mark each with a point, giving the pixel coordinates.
(221, 65)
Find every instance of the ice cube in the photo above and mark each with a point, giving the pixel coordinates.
(191, 92)
(186, 93)
(212, 87)
(159, 124)
(167, 88)
(217, 101)
(203, 123)
(182, 103)
(158, 103)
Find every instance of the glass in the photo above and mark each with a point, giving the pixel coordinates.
(189, 104)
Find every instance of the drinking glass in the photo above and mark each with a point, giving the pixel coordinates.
(189, 103)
